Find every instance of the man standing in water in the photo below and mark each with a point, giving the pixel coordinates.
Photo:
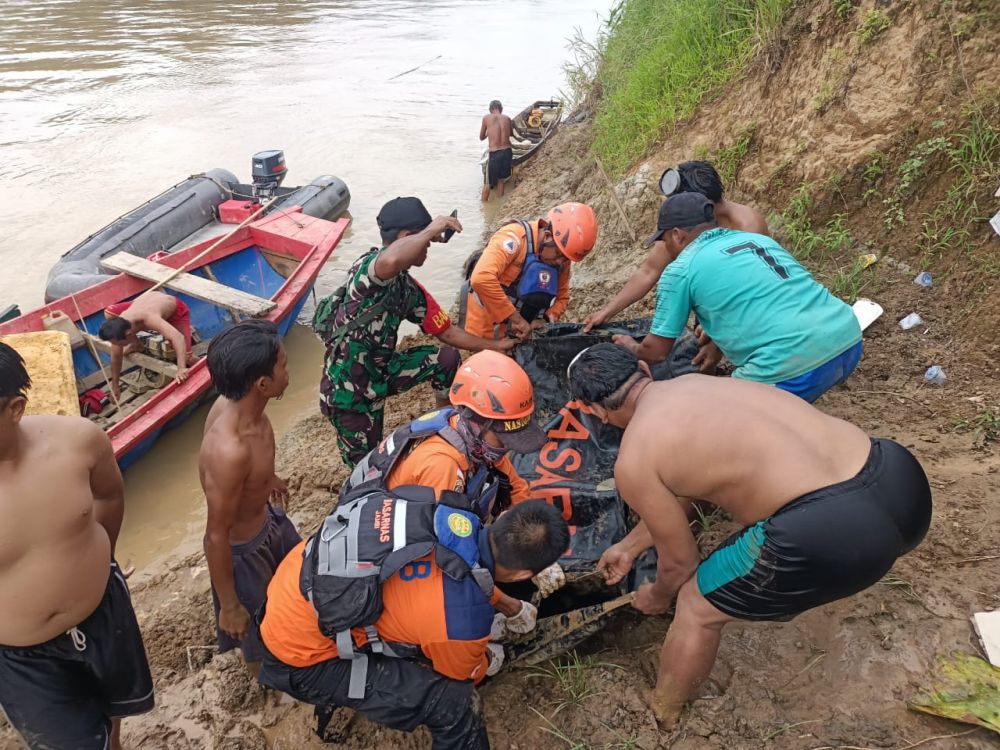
(152, 311)
(247, 533)
(826, 509)
(498, 128)
(73, 662)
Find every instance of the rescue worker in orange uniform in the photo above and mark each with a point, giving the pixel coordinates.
(521, 279)
(445, 623)
(464, 449)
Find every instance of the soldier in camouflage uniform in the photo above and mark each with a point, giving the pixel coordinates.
(359, 324)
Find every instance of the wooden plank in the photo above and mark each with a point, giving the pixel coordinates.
(195, 286)
(137, 359)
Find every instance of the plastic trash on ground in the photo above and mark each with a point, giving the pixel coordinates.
(923, 279)
(987, 626)
(866, 260)
(935, 375)
(867, 312)
(910, 321)
(969, 692)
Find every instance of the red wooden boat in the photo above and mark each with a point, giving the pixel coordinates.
(265, 269)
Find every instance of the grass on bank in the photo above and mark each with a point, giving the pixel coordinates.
(659, 58)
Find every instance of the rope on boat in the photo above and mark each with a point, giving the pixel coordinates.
(93, 352)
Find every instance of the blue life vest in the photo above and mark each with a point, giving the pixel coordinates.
(532, 292)
(483, 487)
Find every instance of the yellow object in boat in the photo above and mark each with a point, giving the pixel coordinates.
(48, 358)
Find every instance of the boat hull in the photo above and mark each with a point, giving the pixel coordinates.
(276, 258)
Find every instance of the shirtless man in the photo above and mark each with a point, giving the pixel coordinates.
(247, 533)
(73, 662)
(152, 311)
(498, 128)
(826, 509)
(691, 177)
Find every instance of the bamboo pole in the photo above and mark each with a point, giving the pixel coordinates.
(618, 204)
(211, 247)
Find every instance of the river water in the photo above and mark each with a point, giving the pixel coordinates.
(104, 103)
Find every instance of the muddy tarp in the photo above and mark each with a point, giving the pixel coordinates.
(574, 471)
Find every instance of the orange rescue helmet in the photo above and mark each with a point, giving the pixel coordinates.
(496, 388)
(574, 229)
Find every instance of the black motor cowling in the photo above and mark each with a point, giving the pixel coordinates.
(268, 171)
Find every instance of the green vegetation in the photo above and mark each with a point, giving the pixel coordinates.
(910, 173)
(876, 163)
(850, 282)
(873, 25)
(803, 239)
(985, 428)
(571, 673)
(729, 160)
(658, 60)
(843, 9)
(838, 71)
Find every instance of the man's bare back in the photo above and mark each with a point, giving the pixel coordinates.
(54, 554)
(498, 128)
(151, 304)
(755, 449)
(740, 217)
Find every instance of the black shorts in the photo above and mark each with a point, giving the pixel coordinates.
(501, 165)
(254, 563)
(825, 545)
(64, 693)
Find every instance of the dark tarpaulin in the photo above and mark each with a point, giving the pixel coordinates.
(575, 470)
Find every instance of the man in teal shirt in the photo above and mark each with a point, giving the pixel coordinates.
(760, 307)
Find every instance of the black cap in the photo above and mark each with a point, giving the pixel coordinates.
(519, 435)
(683, 210)
(403, 213)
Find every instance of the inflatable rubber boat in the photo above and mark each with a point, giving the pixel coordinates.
(196, 207)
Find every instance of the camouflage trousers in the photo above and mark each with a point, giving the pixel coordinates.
(359, 429)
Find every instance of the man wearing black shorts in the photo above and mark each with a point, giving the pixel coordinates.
(498, 128)
(826, 509)
(72, 661)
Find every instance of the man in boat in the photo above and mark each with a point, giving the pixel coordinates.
(430, 646)
(826, 509)
(498, 128)
(759, 306)
(151, 311)
(689, 177)
(359, 323)
(247, 533)
(521, 279)
(73, 661)
(464, 449)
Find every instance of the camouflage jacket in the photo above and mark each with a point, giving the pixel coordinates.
(357, 367)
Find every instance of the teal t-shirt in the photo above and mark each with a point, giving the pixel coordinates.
(766, 313)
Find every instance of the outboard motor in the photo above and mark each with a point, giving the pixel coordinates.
(268, 171)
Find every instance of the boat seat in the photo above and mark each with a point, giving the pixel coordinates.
(194, 286)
